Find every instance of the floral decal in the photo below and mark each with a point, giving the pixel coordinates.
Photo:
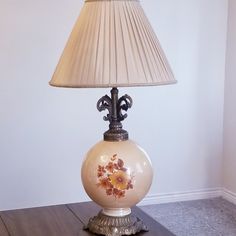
(113, 178)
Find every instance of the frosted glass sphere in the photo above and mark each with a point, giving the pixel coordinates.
(117, 175)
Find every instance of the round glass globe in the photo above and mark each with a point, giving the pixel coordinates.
(117, 175)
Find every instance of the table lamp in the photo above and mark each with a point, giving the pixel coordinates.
(113, 45)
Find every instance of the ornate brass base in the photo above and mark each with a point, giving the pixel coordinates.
(115, 226)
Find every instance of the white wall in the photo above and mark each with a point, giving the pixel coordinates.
(230, 107)
(45, 132)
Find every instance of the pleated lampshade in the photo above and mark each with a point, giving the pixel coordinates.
(112, 45)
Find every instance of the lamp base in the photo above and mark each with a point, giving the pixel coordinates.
(115, 226)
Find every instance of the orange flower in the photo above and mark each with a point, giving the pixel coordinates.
(118, 193)
(100, 174)
(121, 194)
(109, 192)
(119, 180)
(101, 169)
(110, 167)
(105, 183)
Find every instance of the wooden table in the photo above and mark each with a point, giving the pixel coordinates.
(63, 220)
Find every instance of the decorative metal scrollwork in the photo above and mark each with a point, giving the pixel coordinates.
(124, 103)
(105, 103)
(115, 114)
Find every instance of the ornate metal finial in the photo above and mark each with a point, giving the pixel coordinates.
(115, 114)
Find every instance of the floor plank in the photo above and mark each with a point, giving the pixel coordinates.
(3, 231)
(45, 221)
(86, 210)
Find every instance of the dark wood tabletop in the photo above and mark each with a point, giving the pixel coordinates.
(63, 220)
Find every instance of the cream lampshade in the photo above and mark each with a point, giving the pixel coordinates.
(113, 45)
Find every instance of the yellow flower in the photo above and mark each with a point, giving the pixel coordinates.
(119, 180)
